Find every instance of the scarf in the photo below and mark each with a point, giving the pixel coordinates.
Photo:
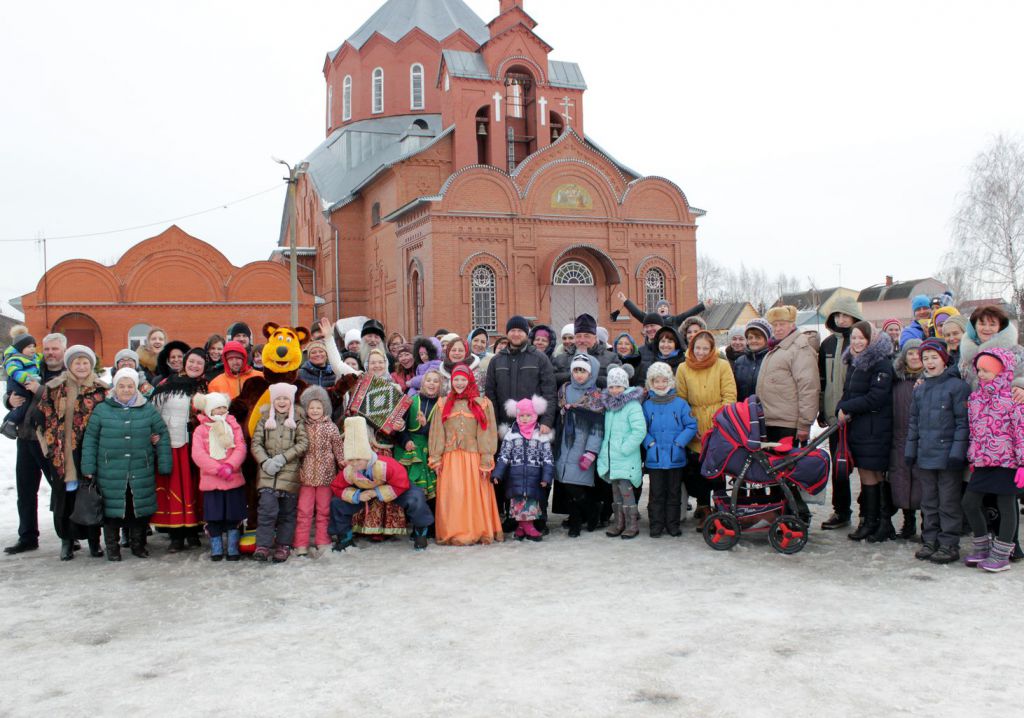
(180, 384)
(526, 429)
(470, 396)
(707, 362)
(222, 437)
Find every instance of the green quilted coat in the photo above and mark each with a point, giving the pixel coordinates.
(118, 452)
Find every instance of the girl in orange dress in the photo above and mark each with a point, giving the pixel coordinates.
(463, 440)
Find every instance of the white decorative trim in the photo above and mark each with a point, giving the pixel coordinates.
(476, 255)
(523, 58)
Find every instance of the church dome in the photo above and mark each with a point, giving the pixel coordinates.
(437, 18)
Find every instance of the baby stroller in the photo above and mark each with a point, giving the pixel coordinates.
(763, 480)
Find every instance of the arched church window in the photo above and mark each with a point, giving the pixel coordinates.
(574, 273)
(346, 99)
(416, 87)
(654, 287)
(485, 299)
(417, 302)
(137, 335)
(375, 214)
(378, 90)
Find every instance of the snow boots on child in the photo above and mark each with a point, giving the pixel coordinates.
(217, 547)
(980, 548)
(234, 536)
(998, 558)
(632, 520)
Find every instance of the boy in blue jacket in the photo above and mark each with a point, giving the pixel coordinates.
(936, 451)
(670, 427)
(23, 367)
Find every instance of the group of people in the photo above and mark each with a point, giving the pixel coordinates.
(481, 436)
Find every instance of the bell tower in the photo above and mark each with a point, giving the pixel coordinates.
(506, 5)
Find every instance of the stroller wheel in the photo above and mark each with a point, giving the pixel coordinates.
(788, 535)
(721, 531)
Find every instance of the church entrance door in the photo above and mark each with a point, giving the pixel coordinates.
(573, 293)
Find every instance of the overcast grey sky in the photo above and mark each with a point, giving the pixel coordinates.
(816, 134)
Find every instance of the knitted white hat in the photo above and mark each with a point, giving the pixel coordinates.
(659, 369)
(77, 350)
(581, 361)
(568, 330)
(352, 335)
(617, 376)
(126, 373)
(206, 403)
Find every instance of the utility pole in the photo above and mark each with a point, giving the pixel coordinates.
(293, 263)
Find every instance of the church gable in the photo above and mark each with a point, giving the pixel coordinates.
(517, 43)
(569, 147)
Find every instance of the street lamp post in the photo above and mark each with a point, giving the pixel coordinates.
(293, 266)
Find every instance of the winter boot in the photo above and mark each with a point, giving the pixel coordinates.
(261, 554)
(217, 547)
(701, 516)
(632, 519)
(302, 551)
(177, 545)
(998, 558)
(885, 531)
(420, 539)
(945, 554)
(95, 550)
(835, 521)
(67, 549)
(530, 532)
(234, 536)
(137, 534)
(618, 523)
(192, 540)
(343, 542)
(926, 552)
(909, 530)
(576, 507)
(871, 501)
(979, 550)
(110, 535)
(281, 553)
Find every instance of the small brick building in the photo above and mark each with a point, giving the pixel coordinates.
(457, 184)
(173, 280)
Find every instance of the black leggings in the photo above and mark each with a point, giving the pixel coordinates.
(975, 514)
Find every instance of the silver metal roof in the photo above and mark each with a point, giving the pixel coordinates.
(437, 18)
(354, 153)
(466, 64)
(566, 74)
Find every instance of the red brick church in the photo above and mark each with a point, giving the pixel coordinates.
(457, 185)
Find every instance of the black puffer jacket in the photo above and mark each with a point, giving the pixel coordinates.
(653, 354)
(519, 375)
(745, 369)
(867, 399)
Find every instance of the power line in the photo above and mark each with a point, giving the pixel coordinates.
(150, 224)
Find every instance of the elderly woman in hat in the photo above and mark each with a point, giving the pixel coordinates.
(788, 383)
(66, 405)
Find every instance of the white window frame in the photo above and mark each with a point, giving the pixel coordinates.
(377, 90)
(484, 298)
(416, 76)
(346, 99)
(573, 273)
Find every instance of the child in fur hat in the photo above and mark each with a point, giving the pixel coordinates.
(526, 465)
(278, 445)
(322, 462)
(218, 449)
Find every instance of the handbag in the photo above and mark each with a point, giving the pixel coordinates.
(88, 509)
(843, 460)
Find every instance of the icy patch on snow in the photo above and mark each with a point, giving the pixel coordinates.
(592, 626)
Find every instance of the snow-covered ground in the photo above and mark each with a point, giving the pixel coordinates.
(587, 627)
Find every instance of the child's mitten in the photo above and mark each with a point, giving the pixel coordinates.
(587, 459)
(1018, 478)
(225, 471)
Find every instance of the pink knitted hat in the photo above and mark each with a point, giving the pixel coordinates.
(277, 390)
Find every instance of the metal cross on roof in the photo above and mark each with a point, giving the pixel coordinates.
(566, 103)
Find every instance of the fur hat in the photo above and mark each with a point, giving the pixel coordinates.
(372, 326)
(618, 376)
(785, 313)
(585, 324)
(659, 369)
(921, 301)
(653, 318)
(569, 330)
(357, 439)
(580, 361)
(516, 322)
(126, 354)
(126, 373)
(316, 393)
(759, 325)
(206, 403)
(353, 335)
(79, 350)
(536, 405)
(278, 390)
(689, 322)
(449, 338)
(22, 342)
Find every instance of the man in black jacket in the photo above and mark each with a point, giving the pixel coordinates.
(664, 309)
(30, 464)
(586, 342)
(520, 371)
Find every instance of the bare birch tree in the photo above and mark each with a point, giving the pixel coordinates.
(988, 228)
